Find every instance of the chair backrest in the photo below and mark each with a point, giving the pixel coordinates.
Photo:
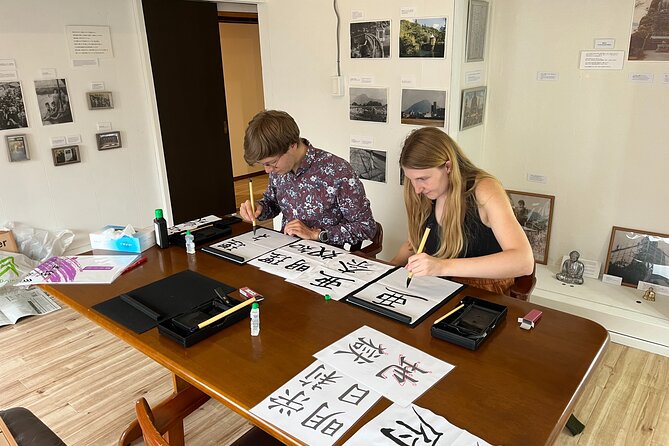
(376, 246)
(146, 422)
(523, 285)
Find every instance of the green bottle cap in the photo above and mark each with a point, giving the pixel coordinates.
(254, 305)
(327, 297)
(188, 232)
(159, 213)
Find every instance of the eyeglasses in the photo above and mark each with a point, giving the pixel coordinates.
(273, 163)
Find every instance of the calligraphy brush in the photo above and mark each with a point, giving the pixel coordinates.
(420, 249)
(253, 206)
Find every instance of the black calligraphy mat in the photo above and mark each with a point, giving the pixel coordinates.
(471, 324)
(144, 308)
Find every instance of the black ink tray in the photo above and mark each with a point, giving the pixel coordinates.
(183, 327)
(472, 324)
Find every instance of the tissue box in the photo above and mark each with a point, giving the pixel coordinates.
(7, 242)
(140, 241)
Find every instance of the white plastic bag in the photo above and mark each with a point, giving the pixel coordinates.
(14, 266)
(40, 244)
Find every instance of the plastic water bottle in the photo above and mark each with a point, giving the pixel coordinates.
(255, 319)
(190, 243)
(160, 227)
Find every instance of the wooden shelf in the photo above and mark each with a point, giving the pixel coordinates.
(629, 318)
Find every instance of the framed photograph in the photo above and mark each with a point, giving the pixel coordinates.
(423, 107)
(54, 101)
(473, 107)
(17, 147)
(368, 104)
(99, 100)
(649, 39)
(370, 40)
(12, 107)
(477, 24)
(534, 212)
(65, 155)
(369, 164)
(423, 37)
(638, 256)
(108, 140)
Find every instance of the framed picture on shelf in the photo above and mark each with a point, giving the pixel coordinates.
(99, 100)
(477, 24)
(17, 148)
(638, 256)
(108, 140)
(473, 107)
(65, 155)
(534, 212)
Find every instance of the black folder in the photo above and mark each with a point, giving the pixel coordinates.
(144, 308)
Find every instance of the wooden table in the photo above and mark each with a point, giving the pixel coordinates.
(519, 388)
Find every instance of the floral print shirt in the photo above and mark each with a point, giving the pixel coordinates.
(325, 193)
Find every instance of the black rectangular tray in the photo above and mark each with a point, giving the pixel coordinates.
(201, 236)
(178, 328)
(472, 324)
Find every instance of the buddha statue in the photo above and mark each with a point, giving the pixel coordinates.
(572, 270)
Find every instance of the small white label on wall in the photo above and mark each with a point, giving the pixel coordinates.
(536, 178)
(548, 76)
(408, 11)
(8, 75)
(602, 60)
(57, 141)
(665, 78)
(104, 126)
(357, 14)
(81, 63)
(362, 141)
(643, 78)
(473, 77)
(97, 86)
(408, 81)
(47, 73)
(73, 139)
(613, 280)
(361, 79)
(7, 64)
(605, 44)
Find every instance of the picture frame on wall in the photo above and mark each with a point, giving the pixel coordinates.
(17, 148)
(534, 212)
(423, 37)
(477, 25)
(66, 155)
(472, 107)
(638, 256)
(108, 140)
(99, 100)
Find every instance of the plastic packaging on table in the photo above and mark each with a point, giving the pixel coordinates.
(40, 244)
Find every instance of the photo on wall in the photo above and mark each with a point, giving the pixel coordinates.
(534, 212)
(649, 38)
(368, 104)
(423, 37)
(473, 107)
(54, 101)
(17, 146)
(370, 40)
(369, 164)
(423, 107)
(12, 106)
(638, 256)
(65, 155)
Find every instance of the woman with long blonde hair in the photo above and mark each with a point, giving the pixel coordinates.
(474, 235)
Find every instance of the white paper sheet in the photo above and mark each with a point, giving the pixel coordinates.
(412, 425)
(358, 267)
(398, 371)
(318, 405)
(249, 246)
(316, 251)
(78, 269)
(324, 281)
(283, 263)
(422, 295)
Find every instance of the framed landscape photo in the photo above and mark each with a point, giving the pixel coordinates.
(17, 148)
(638, 256)
(99, 100)
(534, 212)
(65, 155)
(473, 107)
(108, 140)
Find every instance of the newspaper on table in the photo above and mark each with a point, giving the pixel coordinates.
(16, 303)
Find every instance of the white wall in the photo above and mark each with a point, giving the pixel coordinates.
(298, 47)
(600, 139)
(118, 186)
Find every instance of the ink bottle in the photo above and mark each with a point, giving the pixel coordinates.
(190, 243)
(255, 319)
(160, 227)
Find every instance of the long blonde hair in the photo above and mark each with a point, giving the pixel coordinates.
(426, 148)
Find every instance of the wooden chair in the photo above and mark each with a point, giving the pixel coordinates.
(376, 246)
(20, 427)
(523, 285)
(170, 414)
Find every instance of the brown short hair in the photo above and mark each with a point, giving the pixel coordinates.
(269, 133)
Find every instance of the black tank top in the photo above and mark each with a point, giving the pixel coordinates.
(479, 240)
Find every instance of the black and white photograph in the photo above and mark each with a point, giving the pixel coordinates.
(108, 140)
(649, 38)
(17, 146)
(477, 24)
(369, 164)
(368, 104)
(65, 155)
(370, 40)
(99, 100)
(638, 256)
(54, 101)
(12, 107)
(534, 212)
(423, 37)
(423, 107)
(473, 107)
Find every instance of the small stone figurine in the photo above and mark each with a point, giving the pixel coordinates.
(649, 294)
(572, 270)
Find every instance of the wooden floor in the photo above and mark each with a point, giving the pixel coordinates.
(83, 382)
